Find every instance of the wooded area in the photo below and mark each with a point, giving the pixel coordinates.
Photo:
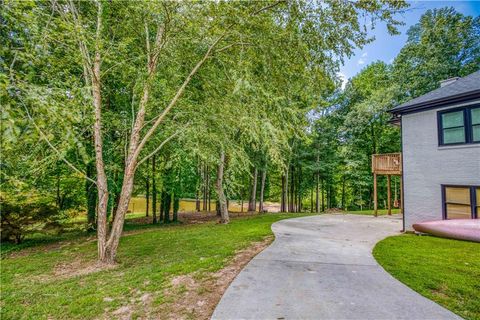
(213, 101)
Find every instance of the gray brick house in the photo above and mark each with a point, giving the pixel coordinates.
(441, 152)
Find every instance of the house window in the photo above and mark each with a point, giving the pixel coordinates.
(461, 202)
(475, 118)
(459, 126)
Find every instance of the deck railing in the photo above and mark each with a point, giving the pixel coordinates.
(387, 163)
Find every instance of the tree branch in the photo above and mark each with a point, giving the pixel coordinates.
(176, 97)
(176, 133)
(44, 137)
(231, 45)
(268, 7)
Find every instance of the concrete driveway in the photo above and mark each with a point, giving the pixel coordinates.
(322, 267)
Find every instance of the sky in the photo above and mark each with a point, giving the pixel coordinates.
(386, 47)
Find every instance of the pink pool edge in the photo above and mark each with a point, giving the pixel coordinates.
(460, 229)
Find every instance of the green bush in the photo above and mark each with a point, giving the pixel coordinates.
(21, 215)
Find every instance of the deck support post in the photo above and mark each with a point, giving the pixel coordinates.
(375, 195)
(389, 195)
(401, 194)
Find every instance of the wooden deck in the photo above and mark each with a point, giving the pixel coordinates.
(387, 164)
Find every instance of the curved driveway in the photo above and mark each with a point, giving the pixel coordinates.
(321, 267)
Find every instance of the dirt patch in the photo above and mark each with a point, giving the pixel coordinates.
(79, 268)
(194, 297)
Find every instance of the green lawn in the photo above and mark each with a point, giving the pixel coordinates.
(443, 270)
(381, 212)
(33, 286)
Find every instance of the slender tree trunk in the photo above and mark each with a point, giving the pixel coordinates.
(323, 194)
(311, 199)
(91, 191)
(222, 200)
(166, 206)
(154, 191)
(317, 202)
(147, 193)
(252, 206)
(292, 189)
(176, 206)
(204, 181)
(287, 195)
(262, 190)
(209, 195)
(102, 185)
(282, 201)
(161, 216)
(299, 188)
(197, 201)
(197, 192)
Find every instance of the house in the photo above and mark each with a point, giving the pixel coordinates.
(441, 152)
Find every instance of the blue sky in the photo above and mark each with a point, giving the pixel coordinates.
(386, 47)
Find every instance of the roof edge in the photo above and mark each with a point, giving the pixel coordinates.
(462, 97)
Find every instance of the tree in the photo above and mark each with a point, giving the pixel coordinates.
(130, 95)
(443, 44)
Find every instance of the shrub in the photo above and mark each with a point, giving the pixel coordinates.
(21, 215)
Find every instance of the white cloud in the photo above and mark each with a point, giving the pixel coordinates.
(362, 58)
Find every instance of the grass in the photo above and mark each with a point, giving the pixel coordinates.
(445, 271)
(37, 239)
(381, 212)
(33, 286)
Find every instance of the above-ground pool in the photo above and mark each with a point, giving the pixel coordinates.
(461, 229)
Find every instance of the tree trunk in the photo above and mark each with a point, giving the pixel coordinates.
(154, 192)
(282, 201)
(166, 199)
(292, 189)
(323, 194)
(252, 205)
(197, 192)
(102, 185)
(91, 191)
(262, 190)
(241, 205)
(311, 200)
(147, 193)
(317, 202)
(204, 189)
(299, 189)
(176, 206)
(287, 195)
(209, 193)
(222, 200)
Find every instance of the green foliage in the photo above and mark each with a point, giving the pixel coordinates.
(443, 44)
(445, 271)
(275, 62)
(356, 125)
(26, 214)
